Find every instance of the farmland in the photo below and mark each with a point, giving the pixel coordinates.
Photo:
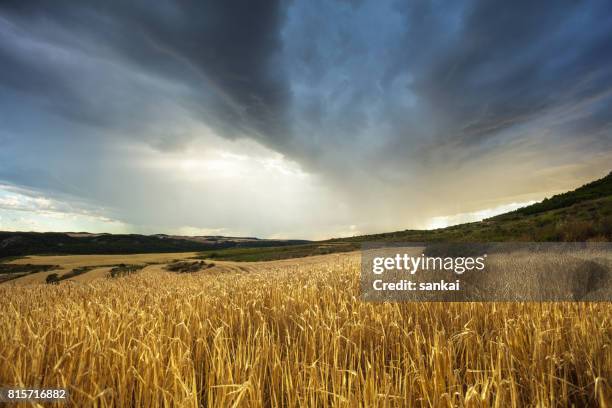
(294, 333)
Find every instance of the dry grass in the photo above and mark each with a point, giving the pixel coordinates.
(296, 336)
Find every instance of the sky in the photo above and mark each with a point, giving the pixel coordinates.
(296, 119)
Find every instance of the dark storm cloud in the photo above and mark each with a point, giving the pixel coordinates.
(222, 52)
(511, 61)
(456, 74)
(471, 68)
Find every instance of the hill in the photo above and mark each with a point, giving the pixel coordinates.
(597, 189)
(14, 244)
(584, 214)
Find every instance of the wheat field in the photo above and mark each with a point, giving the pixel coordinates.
(296, 335)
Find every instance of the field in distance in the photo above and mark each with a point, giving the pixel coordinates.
(83, 267)
(36, 269)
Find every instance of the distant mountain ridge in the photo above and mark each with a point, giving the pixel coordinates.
(60, 243)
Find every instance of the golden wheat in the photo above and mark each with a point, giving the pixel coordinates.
(296, 336)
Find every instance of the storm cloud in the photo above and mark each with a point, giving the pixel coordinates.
(361, 115)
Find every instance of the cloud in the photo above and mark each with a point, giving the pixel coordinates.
(21, 209)
(508, 62)
(380, 113)
(222, 55)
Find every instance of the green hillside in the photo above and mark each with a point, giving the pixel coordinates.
(591, 191)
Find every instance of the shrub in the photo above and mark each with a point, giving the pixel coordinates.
(52, 278)
(188, 267)
(577, 231)
(124, 270)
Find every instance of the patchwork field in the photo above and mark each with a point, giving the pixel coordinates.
(99, 264)
(292, 333)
